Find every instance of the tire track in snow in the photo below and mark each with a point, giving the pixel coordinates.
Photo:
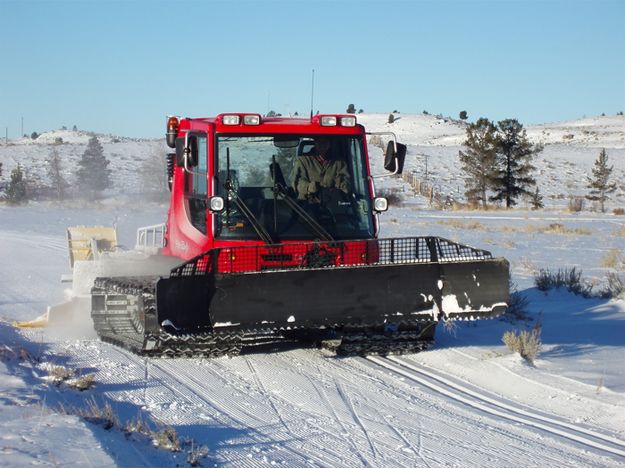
(176, 371)
(174, 375)
(349, 404)
(40, 241)
(264, 391)
(346, 432)
(499, 408)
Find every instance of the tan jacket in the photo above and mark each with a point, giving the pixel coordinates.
(310, 174)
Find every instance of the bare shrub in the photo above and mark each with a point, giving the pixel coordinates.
(573, 282)
(576, 204)
(20, 354)
(611, 259)
(526, 343)
(82, 383)
(569, 278)
(58, 374)
(557, 228)
(615, 288)
(137, 425)
(93, 412)
(462, 224)
(620, 231)
(196, 454)
(619, 211)
(166, 438)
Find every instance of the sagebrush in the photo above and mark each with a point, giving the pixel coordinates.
(526, 343)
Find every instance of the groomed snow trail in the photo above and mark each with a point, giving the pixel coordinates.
(308, 407)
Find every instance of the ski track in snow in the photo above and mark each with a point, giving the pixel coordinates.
(479, 400)
(301, 407)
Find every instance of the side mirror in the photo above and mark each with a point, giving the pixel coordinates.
(380, 204)
(216, 204)
(191, 151)
(187, 148)
(394, 161)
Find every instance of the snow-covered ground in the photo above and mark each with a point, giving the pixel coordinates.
(466, 402)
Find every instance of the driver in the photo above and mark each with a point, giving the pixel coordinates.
(319, 171)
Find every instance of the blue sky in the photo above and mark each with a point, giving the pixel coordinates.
(121, 67)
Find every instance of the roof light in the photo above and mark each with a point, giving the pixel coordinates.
(253, 119)
(231, 119)
(172, 131)
(348, 121)
(328, 120)
(172, 122)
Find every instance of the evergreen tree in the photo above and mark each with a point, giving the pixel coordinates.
(463, 115)
(514, 162)
(478, 160)
(351, 109)
(55, 174)
(391, 118)
(599, 184)
(16, 191)
(93, 175)
(0, 169)
(536, 200)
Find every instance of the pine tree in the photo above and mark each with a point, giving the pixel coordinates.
(463, 115)
(599, 184)
(514, 160)
(55, 174)
(351, 109)
(93, 175)
(536, 200)
(16, 191)
(391, 118)
(478, 160)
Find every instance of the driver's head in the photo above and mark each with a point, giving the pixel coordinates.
(322, 146)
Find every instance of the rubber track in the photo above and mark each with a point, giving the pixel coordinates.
(131, 302)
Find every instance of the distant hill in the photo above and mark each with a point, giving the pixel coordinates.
(570, 151)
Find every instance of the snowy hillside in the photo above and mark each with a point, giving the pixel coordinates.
(570, 149)
(562, 168)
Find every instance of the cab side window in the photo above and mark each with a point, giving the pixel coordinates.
(196, 183)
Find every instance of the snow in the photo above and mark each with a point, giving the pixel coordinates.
(468, 401)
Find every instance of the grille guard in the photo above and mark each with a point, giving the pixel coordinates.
(335, 254)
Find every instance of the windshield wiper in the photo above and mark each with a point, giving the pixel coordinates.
(243, 208)
(279, 188)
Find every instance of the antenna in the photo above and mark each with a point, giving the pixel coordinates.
(312, 94)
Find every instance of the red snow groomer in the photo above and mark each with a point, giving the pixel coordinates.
(276, 221)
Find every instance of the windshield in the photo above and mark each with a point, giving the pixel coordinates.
(323, 176)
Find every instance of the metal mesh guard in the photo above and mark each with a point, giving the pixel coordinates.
(311, 255)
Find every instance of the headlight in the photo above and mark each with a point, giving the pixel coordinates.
(251, 119)
(216, 204)
(380, 204)
(231, 119)
(328, 120)
(348, 121)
